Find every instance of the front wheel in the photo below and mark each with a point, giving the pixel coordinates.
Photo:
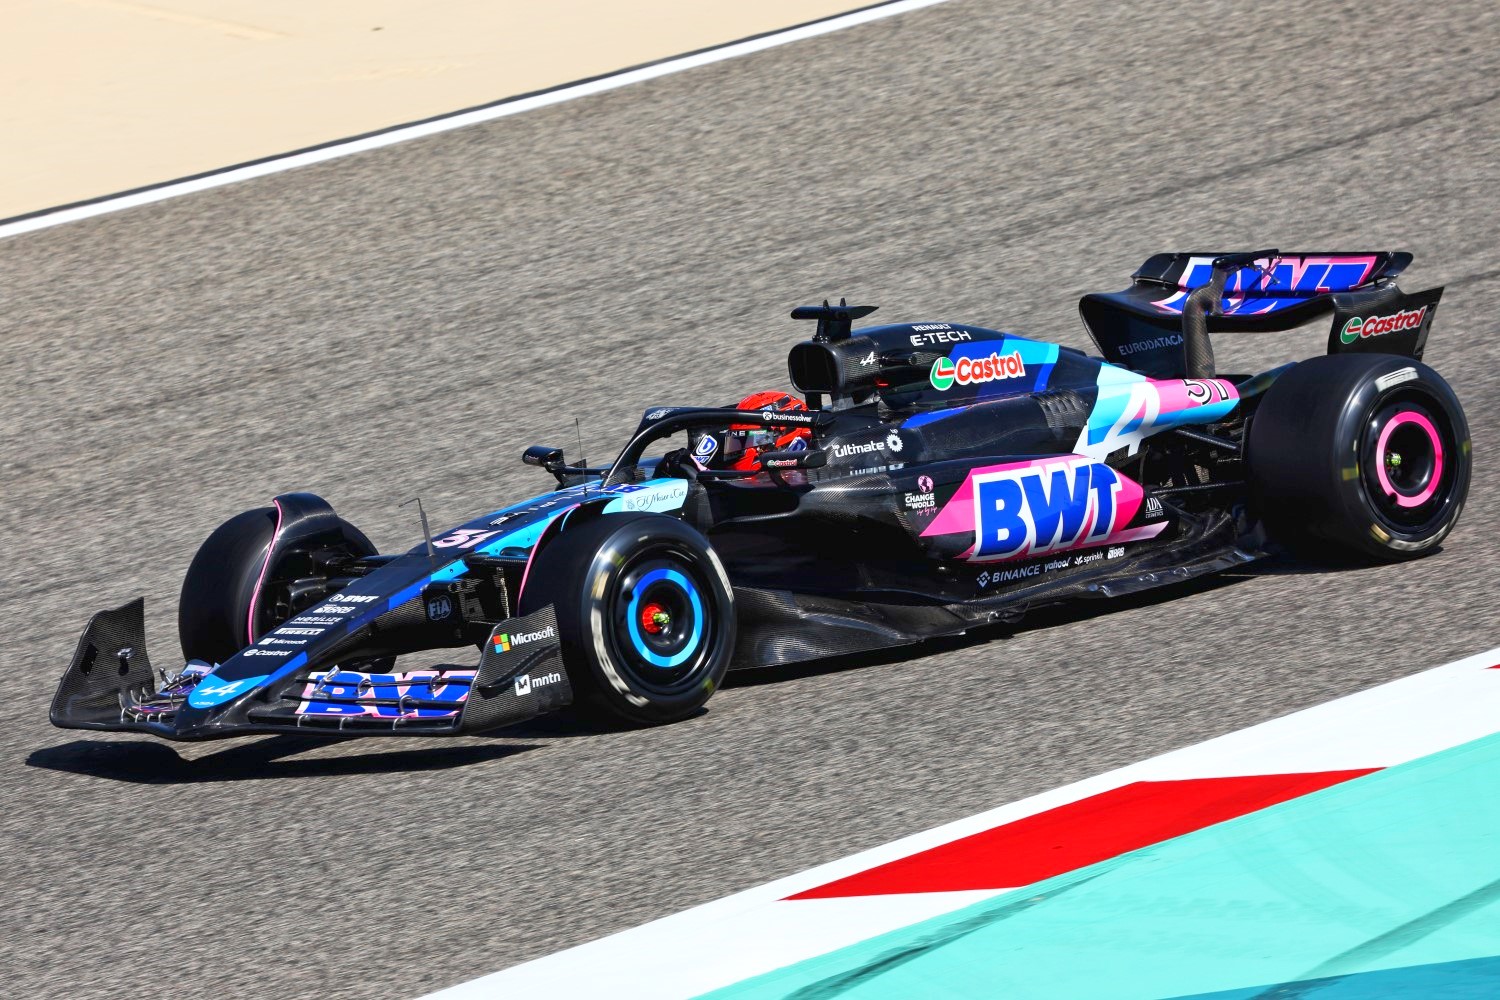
(1366, 453)
(235, 590)
(645, 616)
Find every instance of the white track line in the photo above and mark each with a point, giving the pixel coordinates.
(759, 929)
(503, 109)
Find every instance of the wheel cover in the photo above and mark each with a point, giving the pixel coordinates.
(1408, 459)
(659, 625)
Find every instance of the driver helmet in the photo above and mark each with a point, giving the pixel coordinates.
(740, 446)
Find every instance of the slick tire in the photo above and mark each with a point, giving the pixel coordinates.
(224, 578)
(645, 615)
(1363, 455)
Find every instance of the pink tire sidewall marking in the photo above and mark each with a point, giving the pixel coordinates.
(261, 579)
(1409, 417)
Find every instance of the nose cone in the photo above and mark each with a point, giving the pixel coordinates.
(212, 691)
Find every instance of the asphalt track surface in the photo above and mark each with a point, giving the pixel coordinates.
(405, 321)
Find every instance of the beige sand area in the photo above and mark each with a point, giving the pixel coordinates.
(105, 95)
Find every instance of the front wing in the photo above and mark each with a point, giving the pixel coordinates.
(110, 684)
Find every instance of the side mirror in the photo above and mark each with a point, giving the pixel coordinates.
(543, 456)
(806, 458)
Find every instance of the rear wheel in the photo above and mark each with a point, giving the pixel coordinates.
(1362, 453)
(645, 615)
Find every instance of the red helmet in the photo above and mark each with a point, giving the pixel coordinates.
(742, 444)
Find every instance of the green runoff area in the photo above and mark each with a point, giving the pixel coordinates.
(1388, 884)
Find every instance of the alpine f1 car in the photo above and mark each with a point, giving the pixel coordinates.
(938, 477)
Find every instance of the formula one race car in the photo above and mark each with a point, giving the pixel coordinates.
(938, 477)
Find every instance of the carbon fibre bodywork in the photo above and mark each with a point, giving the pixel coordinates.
(954, 476)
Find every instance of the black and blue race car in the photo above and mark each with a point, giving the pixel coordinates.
(935, 477)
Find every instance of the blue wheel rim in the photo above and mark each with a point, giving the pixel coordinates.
(660, 626)
(657, 579)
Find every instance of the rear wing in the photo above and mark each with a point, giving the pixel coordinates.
(1159, 326)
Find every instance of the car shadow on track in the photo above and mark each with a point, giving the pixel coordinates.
(160, 764)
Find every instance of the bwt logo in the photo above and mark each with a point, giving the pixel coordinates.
(1309, 275)
(1056, 505)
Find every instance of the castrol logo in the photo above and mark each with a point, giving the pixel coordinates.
(972, 371)
(1376, 326)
